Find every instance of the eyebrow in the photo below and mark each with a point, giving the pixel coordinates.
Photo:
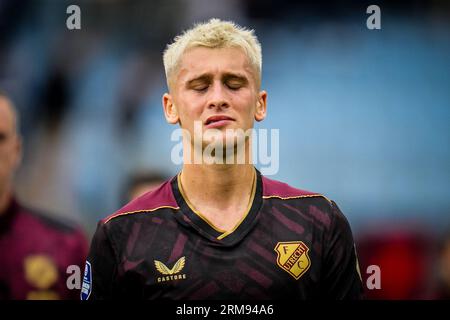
(225, 77)
(201, 78)
(235, 76)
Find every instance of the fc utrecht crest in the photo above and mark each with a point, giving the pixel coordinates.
(293, 257)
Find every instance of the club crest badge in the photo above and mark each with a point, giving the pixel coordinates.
(293, 257)
(40, 271)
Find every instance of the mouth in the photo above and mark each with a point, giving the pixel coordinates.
(217, 121)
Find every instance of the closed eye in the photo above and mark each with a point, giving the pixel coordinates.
(235, 82)
(234, 85)
(3, 137)
(199, 84)
(200, 88)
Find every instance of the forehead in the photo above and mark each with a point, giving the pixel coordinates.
(6, 115)
(201, 60)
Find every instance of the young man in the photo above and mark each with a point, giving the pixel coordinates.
(35, 250)
(219, 229)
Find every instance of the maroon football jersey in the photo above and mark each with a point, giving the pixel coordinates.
(35, 251)
(292, 244)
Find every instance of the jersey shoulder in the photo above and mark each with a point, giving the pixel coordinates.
(160, 198)
(283, 191)
(299, 203)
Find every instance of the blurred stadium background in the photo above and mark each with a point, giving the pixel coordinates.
(364, 115)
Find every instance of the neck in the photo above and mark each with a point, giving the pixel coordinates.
(220, 192)
(5, 199)
(220, 183)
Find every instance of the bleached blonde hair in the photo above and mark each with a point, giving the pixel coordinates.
(213, 34)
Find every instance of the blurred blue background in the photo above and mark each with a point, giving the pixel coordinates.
(364, 115)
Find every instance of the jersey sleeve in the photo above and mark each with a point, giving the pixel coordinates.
(78, 255)
(101, 267)
(342, 278)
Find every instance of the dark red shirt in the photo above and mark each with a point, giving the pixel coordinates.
(35, 251)
(292, 244)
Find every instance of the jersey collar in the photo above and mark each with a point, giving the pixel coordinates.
(196, 220)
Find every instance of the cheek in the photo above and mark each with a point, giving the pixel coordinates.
(187, 117)
(4, 151)
(189, 113)
(6, 162)
(8, 155)
(247, 105)
(191, 107)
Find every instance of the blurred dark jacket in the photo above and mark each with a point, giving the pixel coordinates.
(35, 251)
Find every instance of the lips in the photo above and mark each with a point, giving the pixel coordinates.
(216, 119)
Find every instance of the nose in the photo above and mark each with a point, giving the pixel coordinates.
(217, 96)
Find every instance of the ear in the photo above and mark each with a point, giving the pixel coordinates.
(16, 151)
(170, 110)
(261, 106)
(19, 149)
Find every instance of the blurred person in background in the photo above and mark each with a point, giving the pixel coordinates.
(405, 256)
(443, 285)
(35, 249)
(140, 183)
